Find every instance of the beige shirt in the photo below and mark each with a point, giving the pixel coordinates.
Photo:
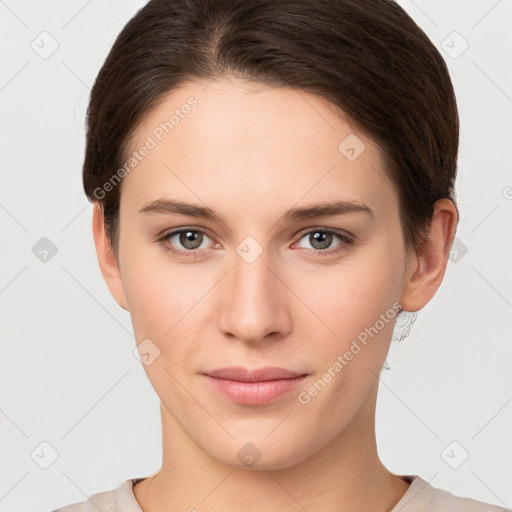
(420, 497)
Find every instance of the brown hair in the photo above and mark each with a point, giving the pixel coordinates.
(367, 57)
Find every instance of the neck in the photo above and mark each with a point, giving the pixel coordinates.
(345, 475)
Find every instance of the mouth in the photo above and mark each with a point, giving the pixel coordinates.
(254, 387)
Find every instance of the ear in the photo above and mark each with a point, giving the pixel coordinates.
(108, 264)
(427, 265)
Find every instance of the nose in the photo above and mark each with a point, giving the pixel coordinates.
(254, 301)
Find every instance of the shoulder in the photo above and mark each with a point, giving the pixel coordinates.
(120, 499)
(423, 497)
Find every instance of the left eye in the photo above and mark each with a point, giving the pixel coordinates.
(322, 239)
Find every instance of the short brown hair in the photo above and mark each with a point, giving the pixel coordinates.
(367, 57)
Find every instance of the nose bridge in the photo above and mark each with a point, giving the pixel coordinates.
(251, 274)
(252, 305)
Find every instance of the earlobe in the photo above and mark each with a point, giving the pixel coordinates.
(428, 264)
(108, 264)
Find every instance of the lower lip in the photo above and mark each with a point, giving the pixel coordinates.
(254, 393)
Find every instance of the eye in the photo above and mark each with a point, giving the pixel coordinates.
(322, 239)
(189, 238)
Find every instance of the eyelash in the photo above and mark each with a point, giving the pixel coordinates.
(345, 239)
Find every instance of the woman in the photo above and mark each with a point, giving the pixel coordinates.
(273, 186)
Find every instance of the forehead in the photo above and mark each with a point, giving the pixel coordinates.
(245, 140)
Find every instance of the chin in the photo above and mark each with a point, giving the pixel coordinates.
(261, 454)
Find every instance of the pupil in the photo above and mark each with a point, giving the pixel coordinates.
(189, 237)
(323, 238)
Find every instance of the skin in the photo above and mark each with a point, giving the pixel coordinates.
(250, 153)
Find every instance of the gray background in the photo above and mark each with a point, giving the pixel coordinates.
(68, 374)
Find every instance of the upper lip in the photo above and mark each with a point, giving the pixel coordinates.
(242, 374)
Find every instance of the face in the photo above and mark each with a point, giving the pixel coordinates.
(253, 284)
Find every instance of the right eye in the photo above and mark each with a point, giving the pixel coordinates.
(189, 238)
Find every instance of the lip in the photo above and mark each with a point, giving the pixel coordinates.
(254, 386)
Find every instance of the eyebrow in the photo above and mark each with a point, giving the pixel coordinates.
(314, 211)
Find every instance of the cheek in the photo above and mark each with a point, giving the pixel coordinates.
(352, 296)
(157, 296)
(357, 301)
(168, 303)
(162, 309)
